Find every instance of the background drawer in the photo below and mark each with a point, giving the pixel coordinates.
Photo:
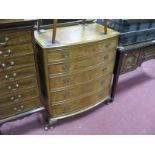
(19, 96)
(80, 90)
(15, 109)
(15, 37)
(72, 79)
(130, 61)
(87, 50)
(16, 63)
(78, 105)
(16, 50)
(5, 77)
(20, 85)
(81, 64)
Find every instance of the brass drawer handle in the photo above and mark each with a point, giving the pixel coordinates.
(65, 54)
(5, 53)
(66, 93)
(7, 65)
(106, 57)
(66, 81)
(104, 69)
(66, 67)
(3, 40)
(10, 76)
(12, 88)
(20, 108)
(16, 98)
(108, 45)
(102, 82)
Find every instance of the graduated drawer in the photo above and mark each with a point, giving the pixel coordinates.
(18, 108)
(81, 51)
(79, 64)
(16, 50)
(80, 104)
(17, 86)
(19, 74)
(19, 96)
(81, 89)
(15, 37)
(16, 63)
(79, 77)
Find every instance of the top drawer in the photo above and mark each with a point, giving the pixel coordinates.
(15, 37)
(81, 51)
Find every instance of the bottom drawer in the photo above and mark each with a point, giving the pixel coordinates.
(19, 108)
(79, 105)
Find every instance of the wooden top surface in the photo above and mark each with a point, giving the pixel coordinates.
(9, 21)
(6, 24)
(137, 46)
(73, 35)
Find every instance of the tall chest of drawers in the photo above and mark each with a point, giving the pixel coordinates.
(19, 88)
(76, 71)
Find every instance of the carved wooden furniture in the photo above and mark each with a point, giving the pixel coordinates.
(76, 69)
(19, 88)
(130, 57)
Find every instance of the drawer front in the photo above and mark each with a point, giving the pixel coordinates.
(19, 108)
(19, 96)
(72, 79)
(16, 50)
(81, 64)
(149, 52)
(83, 51)
(18, 86)
(78, 105)
(80, 90)
(16, 63)
(6, 77)
(130, 61)
(15, 37)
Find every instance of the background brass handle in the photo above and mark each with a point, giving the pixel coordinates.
(20, 108)
(7, 65)
(3, 40)
(10, 76)
(5, 53)
(16, 98)
(15, 87)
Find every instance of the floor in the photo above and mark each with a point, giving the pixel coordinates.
(132, 112)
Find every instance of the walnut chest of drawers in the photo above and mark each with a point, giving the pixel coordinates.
(76, 71)
(19, 89)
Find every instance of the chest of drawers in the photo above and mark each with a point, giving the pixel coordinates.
(131, 57)
(19, 88)
(76, 71)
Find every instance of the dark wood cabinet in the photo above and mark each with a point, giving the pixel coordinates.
(128, 58)
(19, 85)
